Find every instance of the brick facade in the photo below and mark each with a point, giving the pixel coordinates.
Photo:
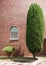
(14, 13)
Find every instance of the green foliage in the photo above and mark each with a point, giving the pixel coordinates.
(8, 50)
(35, 28)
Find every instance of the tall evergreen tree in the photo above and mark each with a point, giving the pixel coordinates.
(35, 29)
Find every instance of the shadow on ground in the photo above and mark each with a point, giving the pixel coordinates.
(25, 59)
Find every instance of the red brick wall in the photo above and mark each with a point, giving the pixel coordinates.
(44, 47)
(14, 13)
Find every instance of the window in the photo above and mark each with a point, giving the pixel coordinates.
(14, 33)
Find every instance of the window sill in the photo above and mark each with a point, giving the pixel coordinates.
(14, 39)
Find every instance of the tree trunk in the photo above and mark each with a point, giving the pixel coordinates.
(34, 56)
(9, 55)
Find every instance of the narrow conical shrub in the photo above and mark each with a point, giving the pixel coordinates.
(34, 29)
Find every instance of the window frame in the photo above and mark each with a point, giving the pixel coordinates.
(17, 38)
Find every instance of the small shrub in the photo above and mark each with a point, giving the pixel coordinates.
(8, 50)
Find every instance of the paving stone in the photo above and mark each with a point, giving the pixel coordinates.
(9, 62)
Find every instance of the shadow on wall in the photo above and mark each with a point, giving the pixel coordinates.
(19, 52)
(43, 52)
